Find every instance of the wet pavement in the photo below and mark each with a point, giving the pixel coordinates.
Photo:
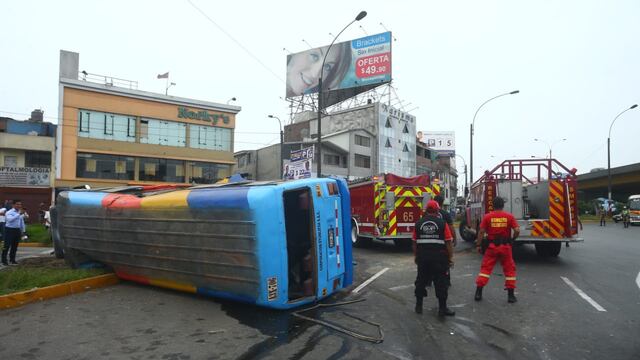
(551, 320)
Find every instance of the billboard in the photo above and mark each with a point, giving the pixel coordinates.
(300, 164)
(443, 142)
(351, 67)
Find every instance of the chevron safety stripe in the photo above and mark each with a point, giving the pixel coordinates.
(556, 209)
(376, 200)
(393, 225)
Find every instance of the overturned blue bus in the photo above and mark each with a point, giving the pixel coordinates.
(273, 244)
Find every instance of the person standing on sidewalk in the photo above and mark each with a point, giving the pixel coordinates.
(498, 225)
(433, 253)
(603, 216)
(14, 228)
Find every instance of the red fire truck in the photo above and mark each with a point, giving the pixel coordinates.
(546, 206)
(387, 206)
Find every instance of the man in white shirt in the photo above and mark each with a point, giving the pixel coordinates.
(14, 228)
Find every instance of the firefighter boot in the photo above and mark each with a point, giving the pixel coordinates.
(478, 296)
(419, 304)
(511, 297)
(444, 310)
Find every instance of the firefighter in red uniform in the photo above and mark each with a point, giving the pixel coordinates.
(497, 225)
(433, 254)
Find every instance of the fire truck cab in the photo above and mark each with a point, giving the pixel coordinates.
(546, 205)
(386, 207)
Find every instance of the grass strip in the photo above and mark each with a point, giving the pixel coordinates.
(21, 278)
(38, 233)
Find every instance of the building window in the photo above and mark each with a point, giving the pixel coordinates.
(208, 173)
(405, 148)
(166, 170)
(104, 126)
(362, 161)
(209, 137)
(37, 159)
(363, 141)
(388, 123)
(388, 143)
(10, 161)
(333, 160)
(102, 166)
(160, 132)
(405, 129)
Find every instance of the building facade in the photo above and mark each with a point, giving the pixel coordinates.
(360, 142)
(441, 167)
(112, 135)
(27, 151)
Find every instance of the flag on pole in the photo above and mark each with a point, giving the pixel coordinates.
(163, 76)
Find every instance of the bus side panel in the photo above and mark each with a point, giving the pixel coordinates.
(345, 241)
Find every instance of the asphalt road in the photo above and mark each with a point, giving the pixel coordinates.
(551, 320)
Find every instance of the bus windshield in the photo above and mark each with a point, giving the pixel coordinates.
(634, 204)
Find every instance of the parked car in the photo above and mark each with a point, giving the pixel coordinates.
(617, 217)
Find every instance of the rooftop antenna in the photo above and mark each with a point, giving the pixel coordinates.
(363, 30)
(309, 45)
(287, 50)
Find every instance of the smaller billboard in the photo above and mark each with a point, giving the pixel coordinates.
(443, 142)
(300, 164)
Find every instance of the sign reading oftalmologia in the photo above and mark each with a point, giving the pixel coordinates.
(444, 142)
(300, 165)
(28, 176)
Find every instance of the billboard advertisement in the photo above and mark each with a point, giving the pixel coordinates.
(300, 164)
(444, 142)
(351, 67)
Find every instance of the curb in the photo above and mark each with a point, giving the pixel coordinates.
(50, 292)
(33, 244)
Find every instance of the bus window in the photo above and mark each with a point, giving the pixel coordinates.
(300, 250)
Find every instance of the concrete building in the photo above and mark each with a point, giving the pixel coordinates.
(113, 134)
(440, 167)
(360, 142)
(27, 151)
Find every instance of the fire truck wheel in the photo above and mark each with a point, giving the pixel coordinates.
(466, 233)
(402, 243)
(548, 249)
(358, 241)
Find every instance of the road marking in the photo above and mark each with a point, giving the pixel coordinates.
(356, 290)
(582, 294)
(401, 287)
(638, 280)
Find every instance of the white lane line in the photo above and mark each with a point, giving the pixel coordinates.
(582, 294)
(356, 290)
(638, 280)
(401, 287)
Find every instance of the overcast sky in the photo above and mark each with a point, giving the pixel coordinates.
(576, 63)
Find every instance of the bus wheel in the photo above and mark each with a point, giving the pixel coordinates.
(356, 240)
(466, 233)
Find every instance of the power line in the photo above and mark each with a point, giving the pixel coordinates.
(236, 41)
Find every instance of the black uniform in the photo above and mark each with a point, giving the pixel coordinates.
(431, 257)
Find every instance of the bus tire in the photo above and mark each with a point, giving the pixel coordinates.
(357, 240)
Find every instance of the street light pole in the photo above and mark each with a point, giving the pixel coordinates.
(360, 16)
(609, 151)
(473, 123)
(281, 142)
(466, 186)
(550, 145)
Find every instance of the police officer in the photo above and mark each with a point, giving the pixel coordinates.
(498, 225)
(433, 250)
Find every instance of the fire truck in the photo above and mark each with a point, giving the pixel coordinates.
(546, 205)
(386, 207)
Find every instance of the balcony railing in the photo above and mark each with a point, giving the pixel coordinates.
(107, 80)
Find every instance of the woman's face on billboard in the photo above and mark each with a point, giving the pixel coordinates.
(303, 70)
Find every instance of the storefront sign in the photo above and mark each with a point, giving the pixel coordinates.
(203, 115)
(24, 176)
